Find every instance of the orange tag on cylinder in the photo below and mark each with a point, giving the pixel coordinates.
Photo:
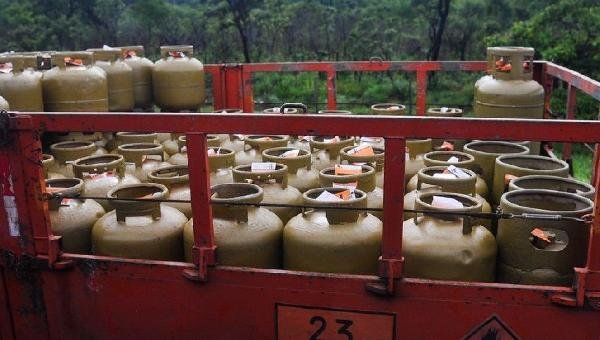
(129, 54)
(73, 61)
(176, 54)
(348, 169)
(447, 146)
(539, 233)
(362, 150)
(508, 178)
(345, 195)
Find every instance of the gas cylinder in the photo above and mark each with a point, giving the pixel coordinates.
(326, 150)
(510, 91)
(300, 142)
(388, 109)
(275, 186)
(98, 138)
(333, 240)
(347, 155)
(485, 154)
(119, 76)
(542, 252)
(140, 229)
(226, 138)
(373, 141)
(416, 148)
(553, 183)
(298, 161)
(446, 158)
(74, 84)
(177, 179)
(181, 157)
(446, 112)
(49, 166)
(364, 181)
(135, 137)
(66, 152)
(143, 158)
(440, 179)
(100, 174)
(22, 86)
(142, 75)
(235, 142)
(220, 163)
(288, 110)
(246, 236)
(71, 218)
(510, 166)
(334, 112)
(172, 143)
(4, 104)
(254, 145)
(448, 247)
(178, 80)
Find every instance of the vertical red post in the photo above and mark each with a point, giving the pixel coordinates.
(232, 86)
(593, 260)
(331, 90)
(218, 92)
(204, 241)
(571, 109)
(548, 84)
(421, 92)
(247, 91)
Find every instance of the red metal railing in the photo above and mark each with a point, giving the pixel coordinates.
(119, 275)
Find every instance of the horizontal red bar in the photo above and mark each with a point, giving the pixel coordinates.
(402, 127)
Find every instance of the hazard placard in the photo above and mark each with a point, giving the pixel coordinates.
(313, 323)
(492, 328)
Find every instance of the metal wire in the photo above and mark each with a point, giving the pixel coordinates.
(498, 215)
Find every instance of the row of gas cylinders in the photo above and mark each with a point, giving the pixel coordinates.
(291, 171)
(103, 79)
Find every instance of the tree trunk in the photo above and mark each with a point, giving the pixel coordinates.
(437, 27)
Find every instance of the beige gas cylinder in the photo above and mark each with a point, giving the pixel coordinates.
(510, 91)
(298, 161)
(446, 112)
(4, 104)
(220, 163)
(333, 240)
(352, 155)
(448, 247)
(142, 75)
(22, 85)
(542, 252)
(98, 138)
(140, 229)
(49, 165)
(275, 186)
(326, 150)
(227, 139)
(65, 153)
(143, 158)
(100, 174)
(364, 181)
(378, 142)
(246, 236)
(440, 179)
(178, 80)
(553, 183)
(446, 158)
(388, 109)
(415, 150)
(300, 142)
(72, 218)
(119, 76)
(177, 179)
(254, 145)
(234, 142)
(181, 157)
(486, 152)
(510, 166)
(74, 84)
(172, 143)
(135, 137)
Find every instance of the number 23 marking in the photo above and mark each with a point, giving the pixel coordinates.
(344, 329)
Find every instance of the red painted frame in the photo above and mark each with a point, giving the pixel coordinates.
(74, 296)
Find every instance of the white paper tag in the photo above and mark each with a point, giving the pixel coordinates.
(443, 175)
(240, 137)
(211, 152)
(331, 140)
(453, 159)
(326, 196)
(371, 139)
(458, 172)
(263, 166)
(350, 186)
(12, 215)
(444, 109)
(290, 153)
(446, 203)
(358, 148)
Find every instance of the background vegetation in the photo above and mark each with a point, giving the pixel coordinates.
(564, 31)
